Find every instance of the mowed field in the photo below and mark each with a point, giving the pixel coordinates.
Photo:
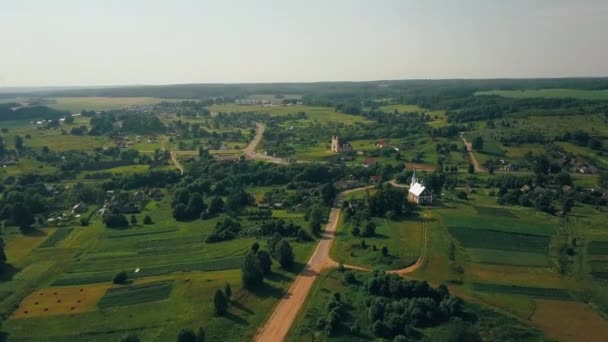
(550, 93)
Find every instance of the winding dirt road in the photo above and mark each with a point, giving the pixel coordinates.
(286, 312)
(250, 152)
(471, 154)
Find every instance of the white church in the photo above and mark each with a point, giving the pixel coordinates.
(418, 193)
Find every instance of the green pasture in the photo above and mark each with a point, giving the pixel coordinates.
(136, 294)
(536, 292)
(402, 238)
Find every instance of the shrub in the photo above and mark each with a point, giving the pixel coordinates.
(147, 219)
(186, 335)
(120, 278)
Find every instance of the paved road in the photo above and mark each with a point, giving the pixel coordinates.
(286, 312)
(250, 152)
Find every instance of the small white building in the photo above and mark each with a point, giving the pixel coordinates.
(418, 193)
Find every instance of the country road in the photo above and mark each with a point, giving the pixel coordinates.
(250, 152)
(471, 154)
(286, 311)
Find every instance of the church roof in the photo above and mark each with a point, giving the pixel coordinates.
(417, 189)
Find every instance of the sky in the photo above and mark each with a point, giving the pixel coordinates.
(125, 42)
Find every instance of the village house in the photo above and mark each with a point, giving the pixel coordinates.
(418, 193)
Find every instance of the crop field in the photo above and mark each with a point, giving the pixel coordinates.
(491, 239)
(19, 246)
(499, 224)
(402, 108)
(503, 257)
(56, 238)
(321, 114)
(550, 93)
(568, 320)
(136, 294)
(286, 215)
(536, 292)
(495, 212)
(598, 248)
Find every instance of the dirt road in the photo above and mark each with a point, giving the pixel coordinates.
(471, 154)
(286, 312)
(250, 152)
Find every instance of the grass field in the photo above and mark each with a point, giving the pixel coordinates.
(402, 238)
(56, 238)
(536, 292)
(550, 93)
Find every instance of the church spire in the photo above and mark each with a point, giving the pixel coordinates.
(414, 180)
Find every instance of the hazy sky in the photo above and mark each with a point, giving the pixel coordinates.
(103, 42)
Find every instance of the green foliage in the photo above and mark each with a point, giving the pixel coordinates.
(120, 278)
(220, 303)
(252, 274)
(284, 254)
(265, 261)
(186, 335)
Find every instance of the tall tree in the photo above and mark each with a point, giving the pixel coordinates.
(220, 303)
(251, 272)
(285, 255)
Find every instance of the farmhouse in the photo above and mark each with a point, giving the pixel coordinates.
(418, 193)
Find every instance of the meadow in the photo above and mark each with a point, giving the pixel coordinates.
(403, 239)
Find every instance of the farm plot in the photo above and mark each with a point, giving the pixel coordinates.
(598, 251)
(495, 212)
(598, 248)
(536, 292)
(56, 238)
(284, 214)
(490, 239)
(98, 277)
(137, 294)
(501, 224)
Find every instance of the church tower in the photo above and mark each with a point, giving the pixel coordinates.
(414, 180)
(335, 144)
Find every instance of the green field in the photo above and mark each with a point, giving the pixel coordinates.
(402, 238)
(137, 294)
(550, 93)
(536, 292)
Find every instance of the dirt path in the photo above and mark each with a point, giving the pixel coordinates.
(173, 157)
(250, 152)
(286, 312)
(471, 154)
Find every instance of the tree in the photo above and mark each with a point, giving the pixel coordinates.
(370, 229)
(285, 255)
(18, 142)
(384, 251)
(265, 261)
(120, 278)
(220, 303)
(216, 206)
(328, 193)
(23, 216)
(2, 257)
(356, 231)
(315, 217)
(228, 291)
(147, 219)
(186, 335)
(255, 247)
(252, 274)
(179, 212)
(195, 206)
(130, 338)
(478, 143)
(200, 337)
(133, 220)
(471, 169)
